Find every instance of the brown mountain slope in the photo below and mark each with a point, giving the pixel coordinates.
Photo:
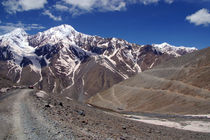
(65, 62)
(180, 86)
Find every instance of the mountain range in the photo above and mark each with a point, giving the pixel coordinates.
(63, 61)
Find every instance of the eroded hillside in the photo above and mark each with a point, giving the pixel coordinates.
(179, 86)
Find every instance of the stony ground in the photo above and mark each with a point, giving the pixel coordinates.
(24, 115)
(87, 122)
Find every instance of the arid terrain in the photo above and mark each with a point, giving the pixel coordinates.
(63, 84)
(178, 86)
(26, 114)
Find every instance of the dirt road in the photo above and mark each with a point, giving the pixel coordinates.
(20, 120)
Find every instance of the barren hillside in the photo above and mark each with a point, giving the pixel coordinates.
(180, 86)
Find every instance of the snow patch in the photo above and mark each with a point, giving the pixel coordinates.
(83, 82)
(151, 65)
(107, 65)
(197, 126)
(14, 68)
(75, 68)
(69, 98)
(202, 115)
(51, 71)
(54, 87)
(137, 67)
(3, 90)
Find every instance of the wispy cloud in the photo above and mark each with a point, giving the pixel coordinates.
(48, 13)
(201, 17)
(146, 2)
(13, 6)
(61, 7)
(169, 1)
(78, 7)
(8, 27)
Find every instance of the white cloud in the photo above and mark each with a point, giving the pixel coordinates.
(8, 27)
(13, 6)
(82, 4)
(77, 7)
(48, 13)
(61, 7)
(146, 2)
(169, 1)
(200, 17)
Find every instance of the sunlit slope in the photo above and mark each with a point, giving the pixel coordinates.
(181, 86)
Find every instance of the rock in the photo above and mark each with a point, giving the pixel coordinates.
(81, 112)
(3, 90)
(41, 94)
(85, 122)
(149, 131)
(119, 108)
(124, 128)
(61, 104)
(47, 105)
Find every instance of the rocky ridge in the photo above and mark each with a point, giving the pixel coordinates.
(62, 60)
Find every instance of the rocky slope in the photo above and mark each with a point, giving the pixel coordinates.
(62, 60)
(180, 86)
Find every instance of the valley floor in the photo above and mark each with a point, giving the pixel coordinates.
(23, 115)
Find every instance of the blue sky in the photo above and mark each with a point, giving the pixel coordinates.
(178, 22)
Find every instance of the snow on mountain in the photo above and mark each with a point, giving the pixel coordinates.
(23, 45)
(60, 54)
(17, 43)
(173, 50)
(63, 33)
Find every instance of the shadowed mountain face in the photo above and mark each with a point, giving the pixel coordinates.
(180, 86)
(62, 60)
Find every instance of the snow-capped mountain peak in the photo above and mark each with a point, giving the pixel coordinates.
(63, 33)
(16, 42)
(62, 30)
(173, 50)
(16, 32)
(17, 39)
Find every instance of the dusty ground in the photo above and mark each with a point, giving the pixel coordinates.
(24, 115)
(88, 122)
